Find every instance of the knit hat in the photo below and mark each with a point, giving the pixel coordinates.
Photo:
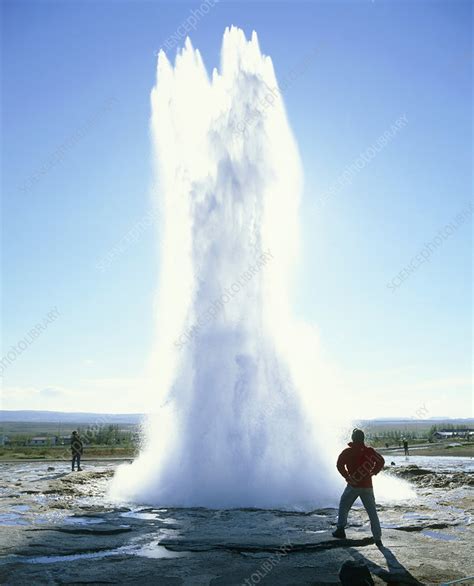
(358, 436)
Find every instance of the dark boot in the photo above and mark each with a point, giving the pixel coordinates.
(339, 533)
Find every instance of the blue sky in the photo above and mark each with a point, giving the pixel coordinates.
(90, 65)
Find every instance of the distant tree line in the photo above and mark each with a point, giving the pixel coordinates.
(396, 435)
(100, 435)
(106, 435)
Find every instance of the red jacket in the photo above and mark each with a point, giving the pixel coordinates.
(358, 463)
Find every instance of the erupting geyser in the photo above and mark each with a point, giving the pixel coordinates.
(236, 391)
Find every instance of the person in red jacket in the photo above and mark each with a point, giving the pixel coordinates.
(357, 464)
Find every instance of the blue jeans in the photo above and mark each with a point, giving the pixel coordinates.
(76, 458)
(368, 500)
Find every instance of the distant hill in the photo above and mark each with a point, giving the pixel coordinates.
(65, 417)
(137, 418)
(431, 420)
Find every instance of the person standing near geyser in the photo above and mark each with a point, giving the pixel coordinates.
(77, 448)
(357, 464)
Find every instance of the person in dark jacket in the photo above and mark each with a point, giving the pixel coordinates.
(405, 447)
(357, 464)
(77, 448)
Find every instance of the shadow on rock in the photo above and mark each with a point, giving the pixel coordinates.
(396, 575)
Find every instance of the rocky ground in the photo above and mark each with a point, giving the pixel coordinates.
(58, 528)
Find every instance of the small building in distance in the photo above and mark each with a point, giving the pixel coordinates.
(453, 433)
(43, 441)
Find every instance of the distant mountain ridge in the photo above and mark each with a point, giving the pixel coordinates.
(434, 420)
(136, 418)
(69, 417)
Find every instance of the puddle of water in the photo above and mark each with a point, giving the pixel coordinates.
(440, 536)
(82, 520)
(169, 521)
(11, 519)
(46, 520)
(20, 508)
(155, 551)
(138, 515)
(51, 559)
(151, 550)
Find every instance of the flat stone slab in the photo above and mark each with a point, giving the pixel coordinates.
(61, 529)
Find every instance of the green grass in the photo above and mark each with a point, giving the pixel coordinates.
(64, 453)
(466, 449)
(381, 440)
(32, 428)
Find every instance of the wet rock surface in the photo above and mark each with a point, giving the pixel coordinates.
(424, 477)
(59, 528)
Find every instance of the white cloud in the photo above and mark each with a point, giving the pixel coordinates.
(32, 397)
(50, 392)
(102, 395)
(361, 395)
